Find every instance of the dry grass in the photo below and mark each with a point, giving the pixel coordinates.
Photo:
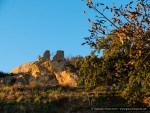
(2, 96)
(54, 99)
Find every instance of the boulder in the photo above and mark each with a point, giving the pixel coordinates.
(67, 78)
(38, 68)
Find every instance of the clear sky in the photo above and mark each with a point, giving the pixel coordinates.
(29, 27)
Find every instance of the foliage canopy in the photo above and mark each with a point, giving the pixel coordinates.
(124, 39)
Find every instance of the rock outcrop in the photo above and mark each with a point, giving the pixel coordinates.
(33, 68)
(67, 79)
(49, 71)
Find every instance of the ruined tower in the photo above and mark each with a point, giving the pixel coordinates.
(46, 57)
(59, 56)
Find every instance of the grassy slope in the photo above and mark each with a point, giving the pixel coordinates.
(48, 99)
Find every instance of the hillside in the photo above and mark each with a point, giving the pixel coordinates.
(48, 99)
(54, 85)
(44, 72)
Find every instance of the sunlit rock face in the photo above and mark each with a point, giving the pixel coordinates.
(25, 68)
(32, 68)
(47, 70)
(66, 78)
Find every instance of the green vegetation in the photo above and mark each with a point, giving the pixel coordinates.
(3, 74)
(126, 49)
(55, 99)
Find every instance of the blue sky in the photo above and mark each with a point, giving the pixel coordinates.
(29, 27)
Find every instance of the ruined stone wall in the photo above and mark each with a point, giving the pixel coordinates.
(59, 56)
(46, 57)
(58, 63)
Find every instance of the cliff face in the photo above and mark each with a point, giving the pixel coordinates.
(45, 67)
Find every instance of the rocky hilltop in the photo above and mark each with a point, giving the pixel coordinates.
(48, 71)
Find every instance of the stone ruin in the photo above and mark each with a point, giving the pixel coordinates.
(58, 63)
(46, 57)
(54, 68)
(59, 56)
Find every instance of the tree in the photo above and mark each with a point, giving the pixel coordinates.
(91, 72)
(124, 39)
